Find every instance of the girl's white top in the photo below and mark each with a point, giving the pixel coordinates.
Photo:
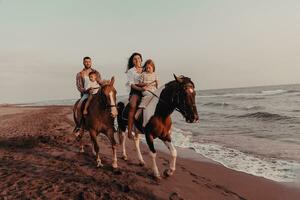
(133, 77)
(149, 78)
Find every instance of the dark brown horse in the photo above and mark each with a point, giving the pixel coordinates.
(179, 95)
(101, 114)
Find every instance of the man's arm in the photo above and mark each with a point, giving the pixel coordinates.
(101, 81)
(79, 83)
(141, 84)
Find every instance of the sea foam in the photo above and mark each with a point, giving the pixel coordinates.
(270, 168)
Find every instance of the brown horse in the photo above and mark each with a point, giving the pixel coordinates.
(179, 95)
(101, 114)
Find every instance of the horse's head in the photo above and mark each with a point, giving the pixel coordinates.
(109, 93)
(184, 99)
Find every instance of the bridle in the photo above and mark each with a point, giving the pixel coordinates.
(175, 101)
(104, 100)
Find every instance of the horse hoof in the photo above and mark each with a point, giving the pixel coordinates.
(124, 157)
(114, 166)
(99, 164)
(81, 150)
(168, 172)
(157, 178)
(142, 164)
(76, 134)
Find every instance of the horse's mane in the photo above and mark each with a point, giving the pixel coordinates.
(184, 78)
(171, 83)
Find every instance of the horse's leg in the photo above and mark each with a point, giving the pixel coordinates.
(93, 135)
(80, 136)
(173, 152)
(110, 135)
(137, 146)
(149, 139)
(122, 139)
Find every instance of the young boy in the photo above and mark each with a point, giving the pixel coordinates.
(93, 88)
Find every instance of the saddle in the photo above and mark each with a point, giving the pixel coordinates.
(138, 116)
(145, 101)
(141, 114)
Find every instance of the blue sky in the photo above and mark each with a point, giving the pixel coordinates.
(224, 43)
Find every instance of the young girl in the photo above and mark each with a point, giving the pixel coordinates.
(93, 87)
(148, 81)
(149, 78)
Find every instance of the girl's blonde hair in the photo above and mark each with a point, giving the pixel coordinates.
(149, 62)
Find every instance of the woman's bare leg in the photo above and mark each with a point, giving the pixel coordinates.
(132, 109)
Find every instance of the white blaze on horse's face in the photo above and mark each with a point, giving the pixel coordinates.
(114, 111)
(191, 113)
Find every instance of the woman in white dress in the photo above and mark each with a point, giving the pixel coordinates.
(134, 71)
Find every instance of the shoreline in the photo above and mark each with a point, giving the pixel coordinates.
(191, 154)
(195, 176)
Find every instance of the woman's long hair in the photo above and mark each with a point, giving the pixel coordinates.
(130, 60)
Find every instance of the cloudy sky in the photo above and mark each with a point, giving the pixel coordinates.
(218, 43)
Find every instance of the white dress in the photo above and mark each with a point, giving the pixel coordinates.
(149, 78)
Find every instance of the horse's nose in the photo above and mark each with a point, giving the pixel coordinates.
(196, 117)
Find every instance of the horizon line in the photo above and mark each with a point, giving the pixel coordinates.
(255, 86)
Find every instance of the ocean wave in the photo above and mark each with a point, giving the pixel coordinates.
(270, 168)
(227, 95)
(293, 91)
(272, 92)
(253, 108)
(232, 106)
(250, 97)
(265, 116)
(261, 93)
(215, 104)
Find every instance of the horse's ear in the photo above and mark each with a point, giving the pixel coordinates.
(112, 80)
(178, 79)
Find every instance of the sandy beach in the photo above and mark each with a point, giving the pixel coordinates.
(40, 159)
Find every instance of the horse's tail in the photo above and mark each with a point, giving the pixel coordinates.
(120, 120)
